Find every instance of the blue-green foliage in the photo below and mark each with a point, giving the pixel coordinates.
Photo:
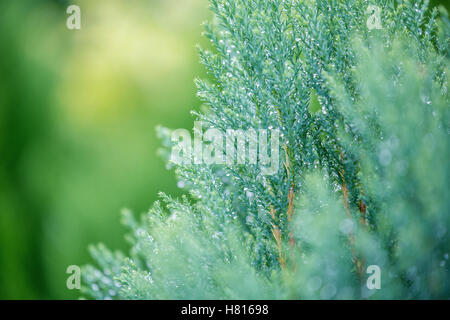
(364, 123)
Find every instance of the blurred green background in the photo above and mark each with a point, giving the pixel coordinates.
(78, 110)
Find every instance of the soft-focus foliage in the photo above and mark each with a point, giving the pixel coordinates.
(364, 119)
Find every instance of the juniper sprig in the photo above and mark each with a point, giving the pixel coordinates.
(362, 110)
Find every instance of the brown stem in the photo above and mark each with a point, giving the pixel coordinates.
(359, 264)
(290, 213)
(362, 210)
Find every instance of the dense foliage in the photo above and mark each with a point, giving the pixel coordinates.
(364, 122)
